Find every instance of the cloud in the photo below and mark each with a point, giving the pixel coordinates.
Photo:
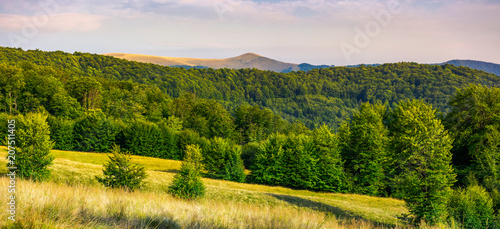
(52, 23)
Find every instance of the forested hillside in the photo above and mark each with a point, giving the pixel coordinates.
(479, 65)
(318, 96)
(406, 130)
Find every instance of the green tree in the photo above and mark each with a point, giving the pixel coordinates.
(120, 172)
(475, 124)
(87, 90)
(255, 124)
(61, 132)
(365, 149)
(472, 208)
(234, 170)
(222, 158)
(330, 166)
(33, 147)
(94, 132)
(187, 183)
(268, 164)
(11, 85)
(421, 160)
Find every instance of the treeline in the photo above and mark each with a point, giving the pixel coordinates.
(319, 96)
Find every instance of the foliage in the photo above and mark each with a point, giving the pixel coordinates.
(421, 160)
(222, 158)
(187, 183)
(328, 95)
(255, 124)
(33, 147)
(61, 132)
(234, 170)
(94, 132)
(365, 140)
(301, 161)
(120, 172)
(472, 208)
(475, 124)
(150, 139)
(330, 166)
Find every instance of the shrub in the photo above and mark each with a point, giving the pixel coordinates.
(119, 172)
(187, 183)
(33, 151)
(472, 208)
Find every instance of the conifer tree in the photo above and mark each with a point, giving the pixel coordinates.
(187, 183)
(120, 172)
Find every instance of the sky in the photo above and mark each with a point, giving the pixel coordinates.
(333, 32)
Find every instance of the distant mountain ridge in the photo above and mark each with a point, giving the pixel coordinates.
(247, 60)
(252, 60)
(478, 65)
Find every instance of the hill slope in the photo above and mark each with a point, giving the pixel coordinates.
(326, 95)
(479, 65)
(65, 201)
(248, 60)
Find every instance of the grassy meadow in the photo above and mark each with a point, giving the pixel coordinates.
(72, 198)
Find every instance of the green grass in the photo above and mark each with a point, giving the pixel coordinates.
(75, 170)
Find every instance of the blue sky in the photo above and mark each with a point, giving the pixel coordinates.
(312, 31)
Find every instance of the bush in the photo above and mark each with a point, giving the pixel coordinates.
(33, 147)
(472, 208)
(187, 183)
(119, 172)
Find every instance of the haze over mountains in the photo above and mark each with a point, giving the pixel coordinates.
(252, 60)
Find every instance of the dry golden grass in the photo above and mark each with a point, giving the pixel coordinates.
(53, 205)
(74, 199)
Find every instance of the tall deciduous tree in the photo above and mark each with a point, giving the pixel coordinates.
(421, 159)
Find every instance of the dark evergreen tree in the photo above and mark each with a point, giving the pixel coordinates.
(187, 183)
(120, 172)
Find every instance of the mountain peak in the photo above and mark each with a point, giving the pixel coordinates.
(249, 55)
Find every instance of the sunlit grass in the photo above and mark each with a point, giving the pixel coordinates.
(226, 204)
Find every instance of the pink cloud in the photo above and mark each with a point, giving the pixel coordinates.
(52, 23)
